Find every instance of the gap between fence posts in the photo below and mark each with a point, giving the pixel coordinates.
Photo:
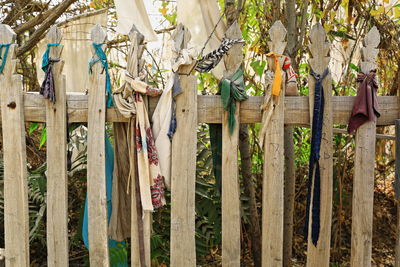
(16, 219)
(96, 170)
(364, 165)
(183, 168)
(57, 193)
(319, 47)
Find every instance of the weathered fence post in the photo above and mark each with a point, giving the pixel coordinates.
(183, 169)
(57, 193)
(273, 179)
(319, 47)
(135, 53)
(397, 193)
(363, 181)
(16, 220)
(230, 171)
(96, 173)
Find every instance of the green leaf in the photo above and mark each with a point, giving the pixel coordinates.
(32, 127)
(258, 66)
(43, 137)
(354, 67)
(341, 34)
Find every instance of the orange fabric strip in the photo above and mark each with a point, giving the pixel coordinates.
(277, 83)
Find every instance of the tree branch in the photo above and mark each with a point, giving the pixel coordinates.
(37, 35)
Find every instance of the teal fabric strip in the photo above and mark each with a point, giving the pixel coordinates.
(232, 90)
(117, 250)
(46, 57)
(3, 56)
(101, 56)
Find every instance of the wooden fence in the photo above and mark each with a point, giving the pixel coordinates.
(18, 107)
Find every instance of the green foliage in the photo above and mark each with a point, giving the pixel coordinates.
(118, 254)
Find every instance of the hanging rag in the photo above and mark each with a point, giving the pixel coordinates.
(206, 25)
(47, 88)
(164, 116)
(291, 78)
(116, 248)
(209, 61)
(276, 84)
(232, 90)
(176, 90)
(314, 168)
(133, 12)
(3, 56)
(129, 100)
(101, 56)
(365, 106)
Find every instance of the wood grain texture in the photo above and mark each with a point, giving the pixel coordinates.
(57, 193)
(16, 220)
(230, 170)
(319, 47)
(183, 170)
(209, 109)
(396, 188)
(273, 173)
(96, 171)
(136, 217)
(363, 181)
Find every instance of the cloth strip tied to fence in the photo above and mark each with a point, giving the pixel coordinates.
(365, 106)
(277, 82)
(232, 89)
(3, 56)
(314, 168)
(47, 88)
(101, 56)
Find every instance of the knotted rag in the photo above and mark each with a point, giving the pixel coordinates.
(47, 88)
(314, 168)
(101, 56)
(3, 56)
(365, 106)
(232, 90)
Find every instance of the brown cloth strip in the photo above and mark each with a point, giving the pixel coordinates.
(365, 106)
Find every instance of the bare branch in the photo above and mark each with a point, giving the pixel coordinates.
(37, 35)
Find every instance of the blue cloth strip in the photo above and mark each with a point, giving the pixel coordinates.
(46, 57)
(101, 56)
(318, 117)
(3, 56)
(112, 244)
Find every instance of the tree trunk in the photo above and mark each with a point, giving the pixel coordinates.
(249, 189)
(289, 193)
(290, 178)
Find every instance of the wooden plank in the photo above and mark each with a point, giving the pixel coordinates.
(210, 109)
(289, 196)
(230, 170)
(16, 220)
(397, 193)
(96, 171)
(363, 181)
(273, 173)
(57, 192)
(319, 255)
(137, 234)
(183, 170)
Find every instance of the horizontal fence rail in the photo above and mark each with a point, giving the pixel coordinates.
(210, 109)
